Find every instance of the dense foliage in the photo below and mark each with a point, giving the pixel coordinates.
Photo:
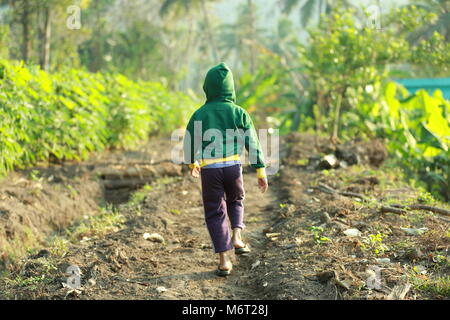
(415, 128)
(68, 114)
(340, 83)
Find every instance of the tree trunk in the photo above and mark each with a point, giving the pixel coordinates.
(252, 36)
(188, 51)
(337, 112)
(26, 37)
(318, 114)
(96, 58)
(45, 58)
(209, 32)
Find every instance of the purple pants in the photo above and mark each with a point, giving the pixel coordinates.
(223, 195)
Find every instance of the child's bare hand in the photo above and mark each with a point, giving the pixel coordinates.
(263, 184)
(195, 172)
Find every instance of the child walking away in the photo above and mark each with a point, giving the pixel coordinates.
(215, 138)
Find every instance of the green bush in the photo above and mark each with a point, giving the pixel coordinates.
(415, 127)
(69, 114)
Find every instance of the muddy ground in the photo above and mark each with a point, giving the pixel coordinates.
(296, 232)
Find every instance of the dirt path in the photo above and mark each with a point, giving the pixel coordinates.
(123, 265)
(189, 264)
(184, 265)
(299, 249)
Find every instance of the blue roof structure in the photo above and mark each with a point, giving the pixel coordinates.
(429, 84)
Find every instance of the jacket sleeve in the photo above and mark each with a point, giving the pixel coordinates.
(252, 145)
(190, 146)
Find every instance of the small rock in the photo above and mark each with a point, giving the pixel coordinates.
(254, 265)
(328, 162)
(414, 232)
(343, 164)
(352, 232)
(155, 237)
(161, 289)
(92, 282)
(383, 260)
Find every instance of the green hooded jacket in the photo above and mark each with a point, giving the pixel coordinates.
(217, 117)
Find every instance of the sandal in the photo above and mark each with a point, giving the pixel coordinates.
(223, 273)
(242, 250)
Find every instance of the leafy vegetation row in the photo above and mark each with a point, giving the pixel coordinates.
(68, 114)
(416, 130)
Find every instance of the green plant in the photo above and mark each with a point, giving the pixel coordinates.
(374, 244)
(318, 236)
(418, 132)
(138, 196)
(34, 175)
(30, 281)
(426, 197)
(439, 286)
(109, 220)
(59, 246)
(69, 114)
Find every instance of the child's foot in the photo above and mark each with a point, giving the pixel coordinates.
(238, 244)
(243, 250)
(225, 269)
(226, 266)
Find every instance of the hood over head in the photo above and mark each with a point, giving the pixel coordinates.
(219, 84)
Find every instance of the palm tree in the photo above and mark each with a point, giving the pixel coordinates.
(183, 6)
(312, 8)
(442, 24)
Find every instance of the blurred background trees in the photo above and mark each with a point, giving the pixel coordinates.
(176, 40)
(299, 65)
